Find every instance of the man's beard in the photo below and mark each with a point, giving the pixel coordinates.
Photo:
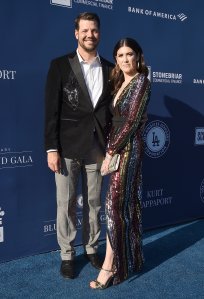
(87, 49)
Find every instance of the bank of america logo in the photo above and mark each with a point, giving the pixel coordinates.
(65, 3)
(182, 17)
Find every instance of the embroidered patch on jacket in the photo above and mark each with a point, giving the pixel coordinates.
(71, 93)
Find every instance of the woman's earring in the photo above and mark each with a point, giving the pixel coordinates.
(138, 65)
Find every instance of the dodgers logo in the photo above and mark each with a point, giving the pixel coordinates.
(157, 139)
(202, 190)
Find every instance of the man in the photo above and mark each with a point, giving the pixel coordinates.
(77, 115)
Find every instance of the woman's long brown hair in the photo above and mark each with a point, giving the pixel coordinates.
(117, 76)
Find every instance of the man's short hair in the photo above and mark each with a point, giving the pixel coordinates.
(87, 16)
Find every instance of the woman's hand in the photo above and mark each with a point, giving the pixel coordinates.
(105, 165)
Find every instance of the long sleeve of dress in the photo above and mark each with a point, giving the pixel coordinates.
(132, 110)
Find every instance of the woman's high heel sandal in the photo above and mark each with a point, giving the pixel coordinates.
(99, 285)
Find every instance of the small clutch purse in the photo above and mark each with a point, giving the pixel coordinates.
(114, 163)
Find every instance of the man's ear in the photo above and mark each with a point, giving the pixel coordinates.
(76, 34)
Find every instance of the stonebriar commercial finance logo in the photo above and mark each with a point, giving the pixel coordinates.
(157, 139)
(199, 136)
(2, 213)
(166, 77)
(64, 3)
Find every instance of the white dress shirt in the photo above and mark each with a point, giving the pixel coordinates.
(93, 77)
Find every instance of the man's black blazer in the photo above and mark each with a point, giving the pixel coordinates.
(71, 119)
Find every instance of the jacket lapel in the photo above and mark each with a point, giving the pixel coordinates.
(105, 75)
(105, 80)
(76, 68)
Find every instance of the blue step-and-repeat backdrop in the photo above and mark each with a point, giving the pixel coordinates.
(34, 32)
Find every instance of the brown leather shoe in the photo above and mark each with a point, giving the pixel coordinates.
(67, 269)
(94, 260)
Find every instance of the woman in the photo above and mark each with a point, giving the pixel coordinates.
(131, 89)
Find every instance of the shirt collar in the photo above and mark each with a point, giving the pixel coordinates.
(96, 59)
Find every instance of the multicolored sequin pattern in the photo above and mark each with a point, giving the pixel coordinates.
(123, 202)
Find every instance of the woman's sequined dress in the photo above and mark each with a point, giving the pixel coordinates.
(123, 201)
